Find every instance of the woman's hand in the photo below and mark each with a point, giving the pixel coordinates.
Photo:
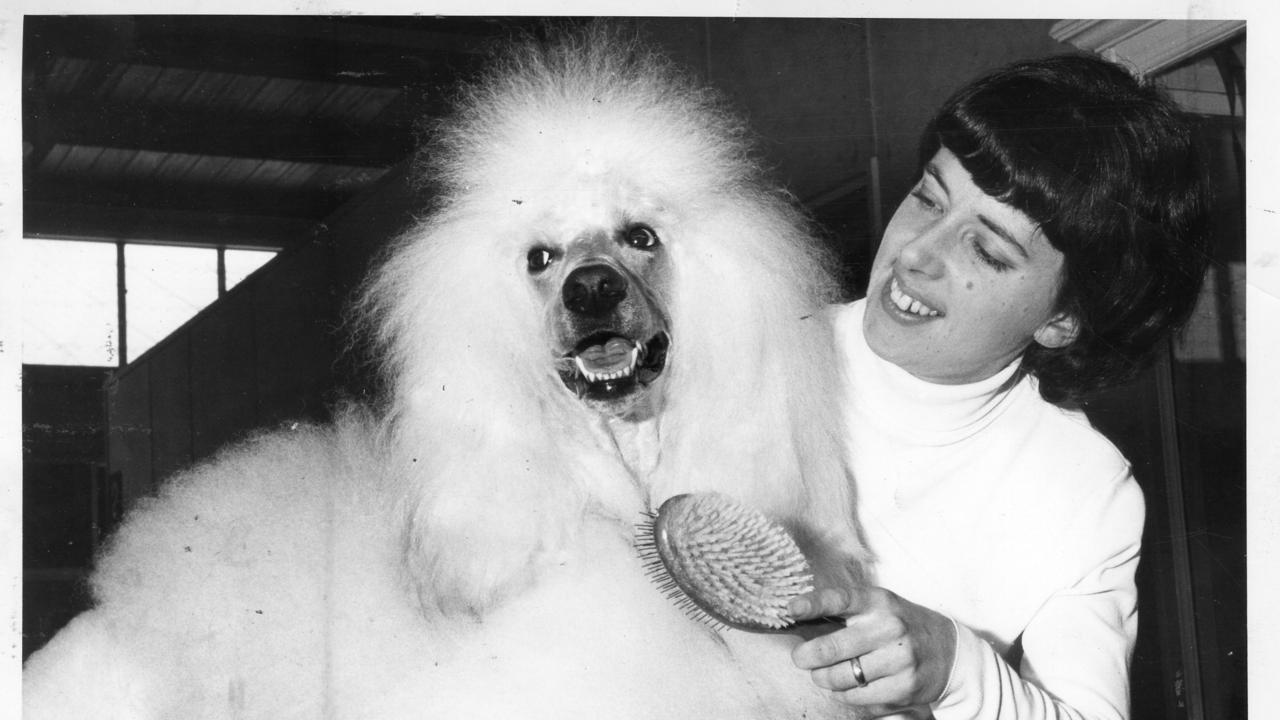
(904, 651)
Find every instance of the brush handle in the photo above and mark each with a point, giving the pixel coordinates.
(810, 629)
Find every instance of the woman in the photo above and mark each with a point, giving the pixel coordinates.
(1055, 237)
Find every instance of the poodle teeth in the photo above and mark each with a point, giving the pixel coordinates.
(627, 371)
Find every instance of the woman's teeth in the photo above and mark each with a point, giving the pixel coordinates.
(906, 303)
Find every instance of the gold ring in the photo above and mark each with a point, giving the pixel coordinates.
(859, 679)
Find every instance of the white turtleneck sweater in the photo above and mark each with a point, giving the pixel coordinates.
(1010, 515)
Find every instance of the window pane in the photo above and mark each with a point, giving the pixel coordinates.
(69, 303)
(165, 287)
(240, 263)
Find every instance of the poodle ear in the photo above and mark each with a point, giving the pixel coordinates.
(487, 496)
(838, 560)
(465, 553)
(480, 491)
(757, 412)
(491, 504)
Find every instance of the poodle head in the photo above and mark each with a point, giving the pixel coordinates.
(604, 242)
(608, 325)
(573, 181)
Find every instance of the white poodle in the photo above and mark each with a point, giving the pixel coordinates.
(607, 307)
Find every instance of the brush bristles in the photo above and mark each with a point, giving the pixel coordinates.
(723, 563)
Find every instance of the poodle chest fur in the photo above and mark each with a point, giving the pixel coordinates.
(275, 592)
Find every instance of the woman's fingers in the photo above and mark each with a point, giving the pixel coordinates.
(887, 685)
(848, 675)
(832, 648)
(863, 631)
(885, 692)
(903, 650)
(827, 602)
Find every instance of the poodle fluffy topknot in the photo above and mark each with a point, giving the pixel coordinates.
(607, 306)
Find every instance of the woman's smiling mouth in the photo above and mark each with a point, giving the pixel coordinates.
(908, 304)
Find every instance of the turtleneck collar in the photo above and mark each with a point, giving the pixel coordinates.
(917, 411)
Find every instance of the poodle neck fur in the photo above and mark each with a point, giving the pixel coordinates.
(639, 445)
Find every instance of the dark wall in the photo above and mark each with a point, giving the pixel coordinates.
(917, 64)
(830, 98)
(66, 505)
(268, 352)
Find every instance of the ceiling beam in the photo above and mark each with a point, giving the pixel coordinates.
(111, 224)
(1147, 47)
(274, 202)
(302, 48)
(49, 121)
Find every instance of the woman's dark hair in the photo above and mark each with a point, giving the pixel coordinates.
(1107, 167)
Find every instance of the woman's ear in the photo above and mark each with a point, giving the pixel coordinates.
(1058, 332)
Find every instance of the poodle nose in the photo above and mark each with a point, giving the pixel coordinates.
(594, 290)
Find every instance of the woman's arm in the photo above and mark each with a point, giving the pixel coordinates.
(1076, 648)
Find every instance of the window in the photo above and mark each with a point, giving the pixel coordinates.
(241, 263)
(71, 308)
(164, 287)
(69, 314)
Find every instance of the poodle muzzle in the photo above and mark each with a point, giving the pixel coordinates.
(614, 330)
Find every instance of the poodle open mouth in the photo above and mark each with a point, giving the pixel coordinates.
(607, 366)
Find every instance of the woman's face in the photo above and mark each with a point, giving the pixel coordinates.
(962, 283)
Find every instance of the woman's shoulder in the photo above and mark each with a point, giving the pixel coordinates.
(1031, 433)
(1077, 458)
(1074, 426)
(1073, 493)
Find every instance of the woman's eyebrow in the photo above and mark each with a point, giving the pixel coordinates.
(932, 170)
(999, 229)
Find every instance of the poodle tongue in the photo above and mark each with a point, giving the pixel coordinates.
(613, 355)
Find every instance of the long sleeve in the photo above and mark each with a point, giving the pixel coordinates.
(1077, 646)
(1012, 516)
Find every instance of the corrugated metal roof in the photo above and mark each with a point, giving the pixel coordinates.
(153, 117)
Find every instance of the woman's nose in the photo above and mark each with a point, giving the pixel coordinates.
(924, 253)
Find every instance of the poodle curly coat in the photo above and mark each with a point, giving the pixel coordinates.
(608, 305)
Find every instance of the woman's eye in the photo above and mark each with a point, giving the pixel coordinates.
(924, 200)
(986, 257)
(642, 237)
(539, 259)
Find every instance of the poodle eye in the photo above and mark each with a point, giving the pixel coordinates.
(539, 259)
(642, 237)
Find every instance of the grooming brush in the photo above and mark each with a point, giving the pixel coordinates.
(724, 564)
